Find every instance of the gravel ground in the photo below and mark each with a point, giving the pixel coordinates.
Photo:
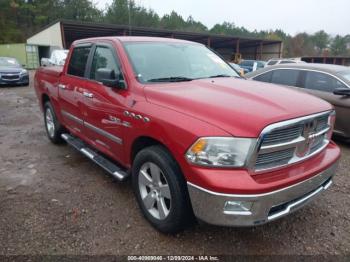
(55, 201)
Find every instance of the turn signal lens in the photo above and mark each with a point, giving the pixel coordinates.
(199, 146)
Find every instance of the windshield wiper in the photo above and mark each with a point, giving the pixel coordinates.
(221, 75)
(170, 79)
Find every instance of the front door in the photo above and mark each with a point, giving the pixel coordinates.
(104, 106)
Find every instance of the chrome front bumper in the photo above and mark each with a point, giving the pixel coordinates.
(210, 206)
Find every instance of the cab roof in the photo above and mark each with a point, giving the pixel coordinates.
(134, 39)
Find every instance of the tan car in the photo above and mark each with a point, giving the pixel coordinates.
(330, 82)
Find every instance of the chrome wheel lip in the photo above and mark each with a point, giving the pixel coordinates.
(154, 190)
(50, 125)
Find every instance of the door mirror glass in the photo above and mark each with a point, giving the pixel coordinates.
(108, 77)
(342, 91)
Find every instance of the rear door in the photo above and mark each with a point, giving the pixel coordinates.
(322, 85)
(104, 106)
(71, 87)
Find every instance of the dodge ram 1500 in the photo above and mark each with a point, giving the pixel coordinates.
(196, 139)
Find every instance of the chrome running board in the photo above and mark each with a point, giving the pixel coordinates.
(113, 169)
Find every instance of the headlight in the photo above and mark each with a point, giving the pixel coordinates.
(220, 151)
(24, 72)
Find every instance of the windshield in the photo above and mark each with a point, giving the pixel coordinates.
(169, 62)
(8, 62)
(345, 74)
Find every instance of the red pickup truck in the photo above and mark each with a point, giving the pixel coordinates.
(196, 139)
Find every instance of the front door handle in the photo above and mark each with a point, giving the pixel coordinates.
(61, 86)
(87, 94)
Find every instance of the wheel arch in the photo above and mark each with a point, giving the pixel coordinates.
(142, 142)
(44, 98)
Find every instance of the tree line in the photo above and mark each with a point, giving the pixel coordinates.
(19, 19)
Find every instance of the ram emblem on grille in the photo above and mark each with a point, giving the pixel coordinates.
(310, 135)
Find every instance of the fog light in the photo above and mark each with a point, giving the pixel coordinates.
(238, 208)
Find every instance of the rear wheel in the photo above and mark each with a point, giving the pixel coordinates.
(161, 191)
(53, 127)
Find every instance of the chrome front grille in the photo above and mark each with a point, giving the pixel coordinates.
(283, 135)
(10, 76)
(269, 160)
(291, 141)
(322, 123)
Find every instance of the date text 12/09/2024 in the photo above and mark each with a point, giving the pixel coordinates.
(173, 258)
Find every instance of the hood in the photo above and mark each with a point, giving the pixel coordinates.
(240, 107)
(10, 69)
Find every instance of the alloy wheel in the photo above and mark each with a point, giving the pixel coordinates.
(154, 190)
(50, 125)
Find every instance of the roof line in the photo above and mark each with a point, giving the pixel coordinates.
(157, 30)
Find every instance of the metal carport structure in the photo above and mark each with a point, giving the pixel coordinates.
(62, 33)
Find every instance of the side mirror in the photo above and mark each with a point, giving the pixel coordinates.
(342, 91)
(109, 78)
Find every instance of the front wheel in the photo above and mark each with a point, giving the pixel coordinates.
(161, 191)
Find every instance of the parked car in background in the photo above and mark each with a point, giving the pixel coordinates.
(251, 65)
(12, 72)
(277, 61)
(330, 82)
(237, 68)
(57, 58)
(194, 137)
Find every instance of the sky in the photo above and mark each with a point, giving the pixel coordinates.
(292, 16)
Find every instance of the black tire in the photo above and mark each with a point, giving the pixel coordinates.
(58, 129)
(180, 213)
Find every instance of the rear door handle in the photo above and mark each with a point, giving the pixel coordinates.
(87, 94)
(62, 86)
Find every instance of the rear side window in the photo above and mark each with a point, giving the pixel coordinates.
(287, 62)
(266, 77)
(273, 62)
(321, 82)
(287, 77)
(78, 61)
(103, 58)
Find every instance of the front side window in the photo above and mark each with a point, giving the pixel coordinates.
(103, 58)
(78, 61)
(266, 77)
(322, 82)
(287, 77)
(161, 61)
